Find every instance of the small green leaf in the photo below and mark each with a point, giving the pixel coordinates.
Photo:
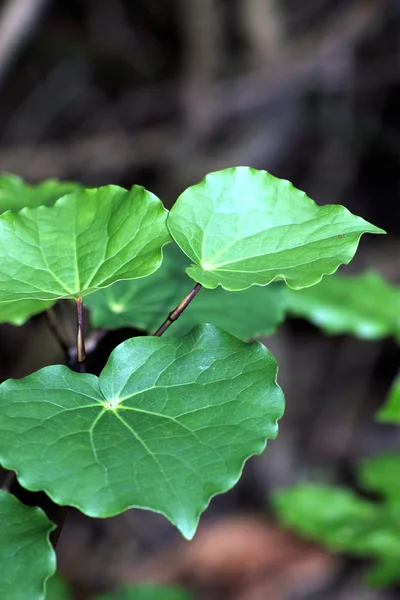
(17, 313)
(144, 303)
(26, 556)
(167, 425)
(390, 411)
(15, 193)
(147, 592)
(86, 241)
(242, 227)
(382, 474)
(365, 306)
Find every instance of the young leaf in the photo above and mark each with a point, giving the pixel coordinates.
(26, 556)
(146, 592)
(365, 306)
(15, 193)
(143, 303)
(166, 426)
(390, 411)
(86, 241)
(20, 311)
(242, 227)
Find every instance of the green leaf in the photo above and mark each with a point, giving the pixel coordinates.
(86, 241)
(390, 411)
(333, 515)
(56, 589)
(347, 523)
(382, 474)
(147, 592)
(167, 425)
(17, 313)
(26, 556)
(365, 306)
(15, 193)
(242, 227)
(144, 303)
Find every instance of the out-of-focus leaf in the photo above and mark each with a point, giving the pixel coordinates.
(27, 559)
(17, 313)
(382, 474)
(144, 303)
(147, 592)
(242, 227)
(390, 411)
(365, 306)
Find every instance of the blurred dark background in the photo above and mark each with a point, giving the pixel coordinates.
(160, 93)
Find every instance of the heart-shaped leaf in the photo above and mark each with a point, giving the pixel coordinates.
(365, 306)
(242, 227)
(147, 592)
(390, 411)
(166, 426)
(86, 241)
(26, 557)
(144, 303)
(15, 193)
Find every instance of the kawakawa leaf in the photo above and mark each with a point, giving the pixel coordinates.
(144, 303)
(242, 227)
(390, 411)
(166, 426)
(26, 557)
(15, 193)
(20, 311)
(147, 592)
(381, 474)
(57, 589)
(365, 306)
(346, 522)
(86, 241)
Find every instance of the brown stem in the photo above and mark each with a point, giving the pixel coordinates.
(173, 316)
(80, 340)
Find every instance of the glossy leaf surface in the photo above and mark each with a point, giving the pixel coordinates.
(15, 193)
(57, 589)
(147, 592)
(166, 426)
(26, 556)
(390, 411)
(365, 306)
(242, 227)
(86, 241)
(144, 303)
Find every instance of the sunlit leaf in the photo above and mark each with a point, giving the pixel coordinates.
(26, 556)
(366, 306)
(144, 303)
(166, 426)
(146, 592)
(390, 411)
(242, 227)
(86, 241)
(15, 193)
